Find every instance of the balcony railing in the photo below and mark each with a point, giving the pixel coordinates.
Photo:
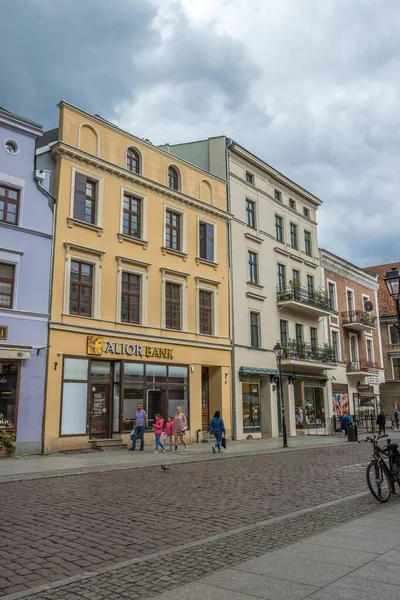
(357, 366)
(304, 295)
(358, 317)
(303, 351)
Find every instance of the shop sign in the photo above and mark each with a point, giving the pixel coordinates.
(363, 388)
(374, 380)
(96, 345)
(3, 332)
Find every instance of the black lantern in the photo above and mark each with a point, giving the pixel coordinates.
(392, 280)
(280, 353)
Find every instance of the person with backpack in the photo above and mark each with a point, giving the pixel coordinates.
(218, 428)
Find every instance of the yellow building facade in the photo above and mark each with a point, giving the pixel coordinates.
(140, 296)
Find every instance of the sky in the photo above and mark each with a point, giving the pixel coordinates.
(310, 86)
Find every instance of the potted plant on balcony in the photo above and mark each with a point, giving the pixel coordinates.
(327, 354)
(368, 318)
(295, 285)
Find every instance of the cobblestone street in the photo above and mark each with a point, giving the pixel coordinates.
(55, 528)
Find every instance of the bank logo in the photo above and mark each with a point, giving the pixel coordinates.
(94, 345)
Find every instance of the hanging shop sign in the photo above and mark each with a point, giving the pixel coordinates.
(3, 332)
(96, 346)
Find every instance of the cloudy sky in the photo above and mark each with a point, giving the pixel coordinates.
(311, 86)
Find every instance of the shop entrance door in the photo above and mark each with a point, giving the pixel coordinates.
(99, 411)
(205, 407)
(154, 406)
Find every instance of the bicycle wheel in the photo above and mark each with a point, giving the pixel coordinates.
(378, 482)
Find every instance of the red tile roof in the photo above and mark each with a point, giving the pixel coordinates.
(387, 307)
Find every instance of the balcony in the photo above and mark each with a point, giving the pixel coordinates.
(304, 301)
(302, 356)
(358, 320)
(362, 368)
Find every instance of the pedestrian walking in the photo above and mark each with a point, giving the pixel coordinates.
(180, 426)
(140, 427)
(158, 427)
(169, 432)
(397, 417)
(217, 427)
(381, 422)
(345, 419)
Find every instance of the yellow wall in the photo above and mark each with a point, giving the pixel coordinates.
(68, 333)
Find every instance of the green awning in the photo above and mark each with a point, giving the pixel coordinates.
(257, 371)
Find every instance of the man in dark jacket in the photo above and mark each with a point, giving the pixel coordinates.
(381, 422)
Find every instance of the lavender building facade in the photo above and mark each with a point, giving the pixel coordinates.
(26, 225)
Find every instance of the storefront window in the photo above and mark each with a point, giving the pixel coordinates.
(177, 375)
(74, 397)
(76, 369)
(309, 403)
(99, 369)
(133, 371)
(156, 374)
(251, 407)
(133, 394)
(177, 396)
(8, 394)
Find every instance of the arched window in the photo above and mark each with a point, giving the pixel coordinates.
(132, 161)
(173, 178)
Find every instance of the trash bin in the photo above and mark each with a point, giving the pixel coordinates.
(352, 433)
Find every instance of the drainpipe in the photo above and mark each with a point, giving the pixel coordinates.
(38, 177)
(228, 146)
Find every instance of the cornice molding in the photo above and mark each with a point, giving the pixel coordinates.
(63, 150)
(341, 269)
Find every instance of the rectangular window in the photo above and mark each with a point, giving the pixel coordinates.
(173, 230)
(306, 212)
(172, 306)
(332, 295)
(335, 344)
(293, 236)
(296, 277)
(307, 243)
(396, 368)
(206, 246)
(353, 349)
(130, 298)
(85, 199)
(251, 213)
(278, 195)
(6, 285)
(313, 338)
(81, 289)
(299, 333)
(249, 177)
(8, 394)
(292, 203)
(281, 278)
(9, 204)
(350, 300)
(310, 286)
(253, 267)
(206, 312)
(370, 351)
(255, 329)
(284, 331)
(393, 336)
(279, 228)
(132, 216)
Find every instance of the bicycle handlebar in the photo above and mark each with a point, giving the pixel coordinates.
(373, 438)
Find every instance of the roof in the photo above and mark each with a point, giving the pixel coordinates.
(6, 113)
(47, 138)
(387, 307)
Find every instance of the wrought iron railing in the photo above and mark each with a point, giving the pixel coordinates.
(358, 317)
(305, 351)
(304, 295)
(357, 366)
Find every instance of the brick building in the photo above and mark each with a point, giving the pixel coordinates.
(354, 333)
(390, 388)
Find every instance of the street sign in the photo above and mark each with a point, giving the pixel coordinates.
(374, 380)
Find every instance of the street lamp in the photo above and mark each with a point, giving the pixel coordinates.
(280, 353)
(392, 280)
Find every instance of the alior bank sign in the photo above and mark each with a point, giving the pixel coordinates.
(97, 346)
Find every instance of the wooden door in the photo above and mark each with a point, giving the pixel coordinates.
(99, 411)
(205, 408)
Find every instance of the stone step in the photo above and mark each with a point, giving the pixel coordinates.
(108, 444)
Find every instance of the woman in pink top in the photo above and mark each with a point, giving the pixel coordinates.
(158, 425)
(169, 432)
(180, 425)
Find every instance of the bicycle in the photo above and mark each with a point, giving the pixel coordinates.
(381, 475)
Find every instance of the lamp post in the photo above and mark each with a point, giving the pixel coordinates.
(279, 353)
(392, 280)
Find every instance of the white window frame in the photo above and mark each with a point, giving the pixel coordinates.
(311, 242)
(248, 269)
(19, 184)
(99, 197)
(259, 312)
(256, 228)
(89, 256)
(364, 299)
(330, 281)
(179, 279)
(143, 220)
(368, 337)
(12, 258)
(201, 285)
(337, 330)
(347, 302)
(392, 367)
(357, 359)
(208, 222)
(133, 267)
(181, 212)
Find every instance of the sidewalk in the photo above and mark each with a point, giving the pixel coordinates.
(358, 561)
(32, 467)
